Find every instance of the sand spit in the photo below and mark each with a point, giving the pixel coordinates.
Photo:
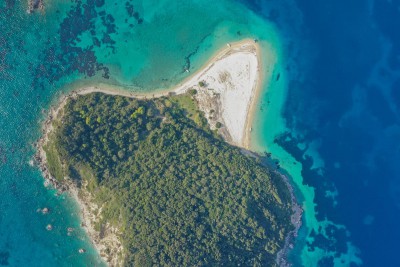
(226, 89)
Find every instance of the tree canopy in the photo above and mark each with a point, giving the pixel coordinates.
(179, 194)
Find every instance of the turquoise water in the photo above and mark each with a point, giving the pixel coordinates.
(271, 125)
(145, 46)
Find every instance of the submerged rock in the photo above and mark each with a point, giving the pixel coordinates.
(35, 5)
(45, 210)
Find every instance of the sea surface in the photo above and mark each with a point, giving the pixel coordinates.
(329, 112)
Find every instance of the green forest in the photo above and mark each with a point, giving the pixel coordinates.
(179, 194)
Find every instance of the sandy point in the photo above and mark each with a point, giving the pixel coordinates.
(228, 86)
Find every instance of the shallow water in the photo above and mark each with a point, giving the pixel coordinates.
(331, 118)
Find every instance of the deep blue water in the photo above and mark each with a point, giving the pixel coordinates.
(348, 103)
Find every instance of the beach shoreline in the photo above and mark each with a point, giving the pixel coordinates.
(247, 105)
(212, 96)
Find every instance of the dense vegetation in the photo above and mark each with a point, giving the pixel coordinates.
(180, 195)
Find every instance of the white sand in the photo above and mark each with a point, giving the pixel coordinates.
(231, 83)
(234, 80)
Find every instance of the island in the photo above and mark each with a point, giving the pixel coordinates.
(167, 179)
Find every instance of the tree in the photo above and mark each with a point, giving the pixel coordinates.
(193, 92)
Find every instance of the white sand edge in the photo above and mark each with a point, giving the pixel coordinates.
(232, 81)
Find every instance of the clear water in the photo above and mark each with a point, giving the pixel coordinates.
(332, 118)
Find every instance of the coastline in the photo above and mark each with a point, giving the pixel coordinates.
(209, 73)
(246, 46)
(107, 243)
(296, 220)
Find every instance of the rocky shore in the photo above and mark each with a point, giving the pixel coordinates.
(296, 218)
(40, 157)
(282, 256)
(105, 240)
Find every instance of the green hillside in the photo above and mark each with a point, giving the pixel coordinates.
(179, 194)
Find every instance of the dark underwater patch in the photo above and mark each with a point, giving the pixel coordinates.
(4, 256)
